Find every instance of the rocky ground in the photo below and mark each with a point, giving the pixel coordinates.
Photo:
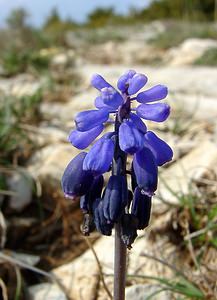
(40, 230)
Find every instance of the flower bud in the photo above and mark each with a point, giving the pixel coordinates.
(99, 158)
(95, 191)
(138, 123)
(99, 82)
(82, 140)
(111, 97)
(136, 83)
(76, 181)
(89, 119)
(155, 93)
(157, 112)
(160, 149)
(115, 198)
(99, 103)
(123, 81)
(146, 171)
(130, 138)
(102, 225)
(141, 208)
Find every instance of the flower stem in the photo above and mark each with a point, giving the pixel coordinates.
(119, 265)
(119, 168)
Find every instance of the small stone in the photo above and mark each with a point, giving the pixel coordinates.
(28, 259)
(195, 104)
(63, 114)
(46, 135)
(20, 85)
(46, 291)
(48, 165)
(63, 60)
(81, 276)
(190, 50)
(60, 59)
(176, 180)
(21, 184)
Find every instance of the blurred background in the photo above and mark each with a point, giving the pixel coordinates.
(48, 52)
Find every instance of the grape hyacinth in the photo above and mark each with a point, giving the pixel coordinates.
(83, 177)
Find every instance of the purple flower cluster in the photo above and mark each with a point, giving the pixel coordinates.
(83, 176)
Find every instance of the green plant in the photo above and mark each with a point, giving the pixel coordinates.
(102, 35)
(179, 9)
(199, 215)
(14, 113)
(209, 58)
(101, 17)
(15, 61)
(180, 285)
(17, 19)
(177, 32)
(55, 28)
(199, 211)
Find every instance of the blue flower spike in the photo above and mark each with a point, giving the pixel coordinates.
(104, 205)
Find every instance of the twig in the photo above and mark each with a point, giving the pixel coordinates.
(7, 193)
(196, 233)
(99, 267)
(3, 230)
(4, 290)
(191, 250)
